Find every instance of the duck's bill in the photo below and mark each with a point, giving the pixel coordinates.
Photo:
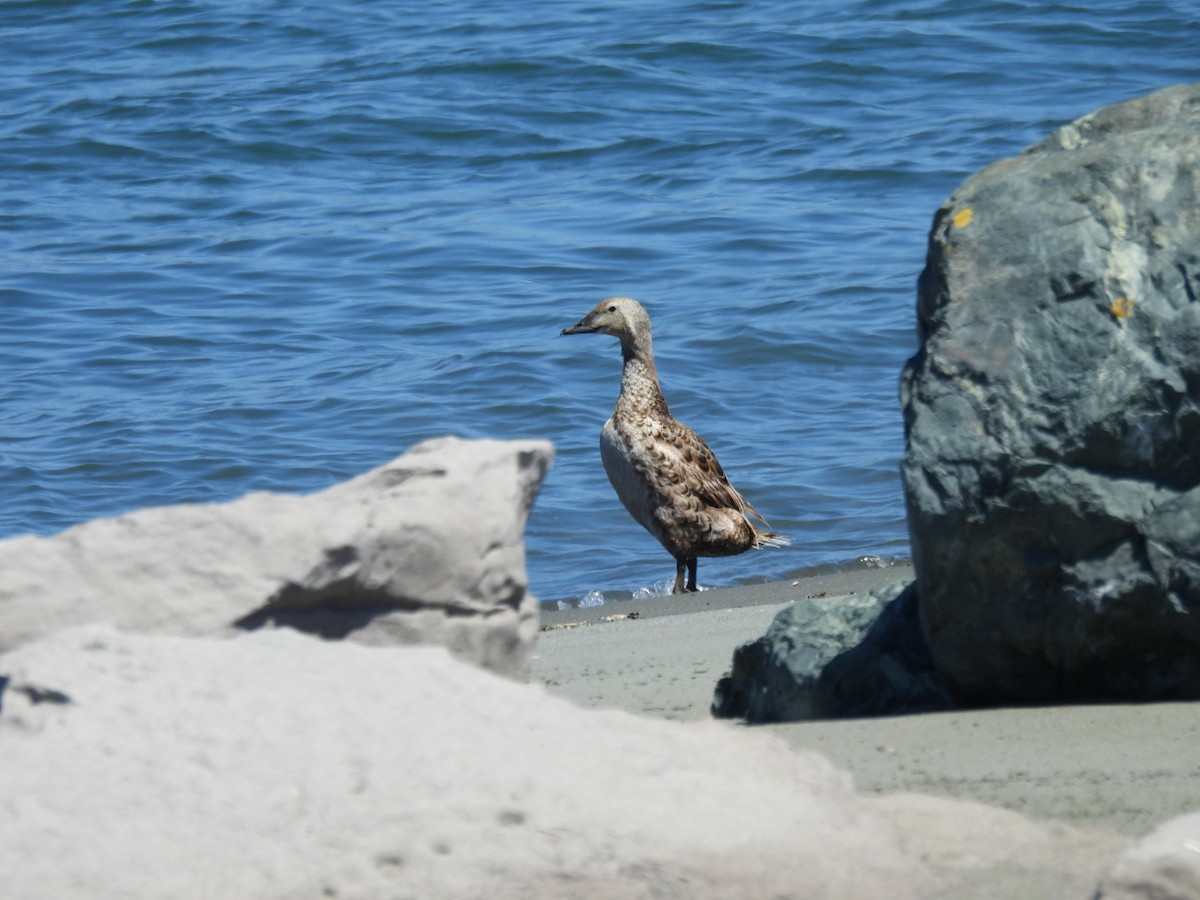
(579, 328)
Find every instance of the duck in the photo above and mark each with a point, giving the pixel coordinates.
(665, 475)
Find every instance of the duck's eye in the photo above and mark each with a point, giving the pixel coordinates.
(612, 309)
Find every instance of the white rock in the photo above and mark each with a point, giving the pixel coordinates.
(1165, 865)
(275, 765)
(427, 548)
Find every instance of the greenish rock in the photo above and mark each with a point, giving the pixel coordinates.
(838, 657)
(1052, 416)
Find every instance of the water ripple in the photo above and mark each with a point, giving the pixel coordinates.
(267, 247)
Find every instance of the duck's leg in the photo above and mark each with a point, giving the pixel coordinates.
(680, 563)
(691, 567)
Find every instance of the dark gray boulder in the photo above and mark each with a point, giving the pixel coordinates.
(838, 657)
(1052, 416)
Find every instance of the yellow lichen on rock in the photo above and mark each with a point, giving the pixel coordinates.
(1122, 308)
(963, 217)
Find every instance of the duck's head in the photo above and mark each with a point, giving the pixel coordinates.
(622, 317)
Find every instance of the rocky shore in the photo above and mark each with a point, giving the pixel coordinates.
(254, 758)
(348, 695)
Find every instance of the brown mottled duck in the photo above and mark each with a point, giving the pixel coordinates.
(666, 476)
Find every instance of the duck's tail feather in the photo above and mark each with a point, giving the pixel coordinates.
(770, 539)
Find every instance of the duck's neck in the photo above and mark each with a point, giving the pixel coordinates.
(640, 392)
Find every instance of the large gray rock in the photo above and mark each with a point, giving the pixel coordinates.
(277, 766)
(825, 658)
(1052, 469)
(426, 549)
(274, 765)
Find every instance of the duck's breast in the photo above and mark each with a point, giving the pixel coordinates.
(632, 489)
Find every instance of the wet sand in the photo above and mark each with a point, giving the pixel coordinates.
(1120, 767)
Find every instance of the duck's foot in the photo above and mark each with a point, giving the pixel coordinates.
(682, 586)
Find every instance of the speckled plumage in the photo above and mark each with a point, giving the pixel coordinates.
(665, 475)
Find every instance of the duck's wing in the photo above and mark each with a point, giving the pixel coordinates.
(691, 465)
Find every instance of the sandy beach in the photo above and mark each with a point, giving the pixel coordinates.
(1118, 768)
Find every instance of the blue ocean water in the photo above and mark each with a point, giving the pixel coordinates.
(269, 245)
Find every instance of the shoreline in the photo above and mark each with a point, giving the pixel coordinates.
(1121, 768)
(833, 583)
